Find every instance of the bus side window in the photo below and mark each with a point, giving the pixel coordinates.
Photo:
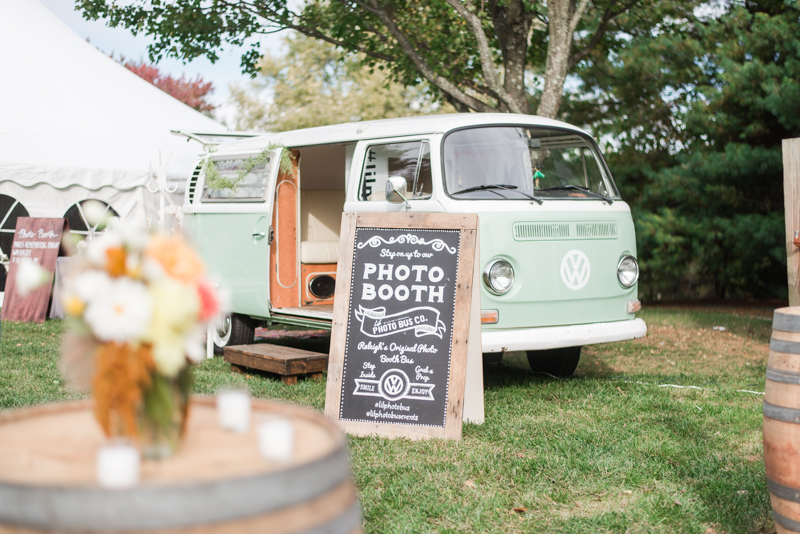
(411, 161)
(423, 186)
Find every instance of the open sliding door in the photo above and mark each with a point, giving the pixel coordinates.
(284, 253)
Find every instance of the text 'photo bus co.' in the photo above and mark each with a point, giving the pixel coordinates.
(557, 243)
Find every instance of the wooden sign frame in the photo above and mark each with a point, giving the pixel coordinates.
(37, 239)
(465, 326)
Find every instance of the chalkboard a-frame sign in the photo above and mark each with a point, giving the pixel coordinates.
(401, 324)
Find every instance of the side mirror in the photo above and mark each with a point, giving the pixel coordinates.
(397, 190)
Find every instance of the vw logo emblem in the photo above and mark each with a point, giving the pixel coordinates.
(394, 384)
(575, 269)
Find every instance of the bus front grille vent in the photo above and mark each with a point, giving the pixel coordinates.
(538, 231)
(193, 183)
(598, 230)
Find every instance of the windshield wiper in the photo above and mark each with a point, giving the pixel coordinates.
(579, 188)
(492, 187)
(485, 187)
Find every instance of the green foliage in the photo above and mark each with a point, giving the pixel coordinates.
(314, 85)
(214, 180)
(188, 29)
(418, 42)
(434, 28)
(697, 113)
(159, 402)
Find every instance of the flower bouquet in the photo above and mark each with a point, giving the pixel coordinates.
(138, 306)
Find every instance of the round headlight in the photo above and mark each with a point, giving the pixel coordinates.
(498, 277)
(628, 271)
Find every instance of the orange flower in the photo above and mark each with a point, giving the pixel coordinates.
(177, 258)
(115, 261)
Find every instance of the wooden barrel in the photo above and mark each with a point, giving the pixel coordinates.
(782, 420)
(216, 483)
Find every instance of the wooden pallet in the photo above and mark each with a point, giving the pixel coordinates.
(287, 362)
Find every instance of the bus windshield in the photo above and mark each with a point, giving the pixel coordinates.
(516, 163)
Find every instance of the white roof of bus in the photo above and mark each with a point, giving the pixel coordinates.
(356, 131)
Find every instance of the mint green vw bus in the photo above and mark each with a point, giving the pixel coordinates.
(557, 243)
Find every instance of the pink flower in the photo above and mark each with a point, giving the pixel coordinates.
(209, 302)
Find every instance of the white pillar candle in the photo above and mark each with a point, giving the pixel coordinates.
(276, 439)
(118, 466)
(233, 408)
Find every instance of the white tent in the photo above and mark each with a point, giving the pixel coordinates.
(76, 125)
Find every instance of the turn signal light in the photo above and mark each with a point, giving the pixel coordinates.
(634, 306)
(490, 316)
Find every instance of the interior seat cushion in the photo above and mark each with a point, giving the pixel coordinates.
(320, 222)
(319, 251)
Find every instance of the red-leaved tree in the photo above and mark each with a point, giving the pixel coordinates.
(193, 93)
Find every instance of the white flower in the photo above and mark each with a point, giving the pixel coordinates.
(152, 271)
(96, 250)
(121, 313)
(134, 235)
(30, 277)
(195, 343)
(89, 284)
(79, 290)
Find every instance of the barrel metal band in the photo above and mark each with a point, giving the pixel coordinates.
(786, 322)
(783, 492)
(346, 523)
(164, 507)
(781, 413)
(784, 377)
(786, 347)
(785, 522)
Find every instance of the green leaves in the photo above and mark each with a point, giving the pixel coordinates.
(316, 84)
(215, 180)
(698, 111)
(420, 42)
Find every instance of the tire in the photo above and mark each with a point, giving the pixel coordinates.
(557, 362)
(492, 357)
(235, 329)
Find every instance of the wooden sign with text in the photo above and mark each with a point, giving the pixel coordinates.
(402, 324)
(38, 241)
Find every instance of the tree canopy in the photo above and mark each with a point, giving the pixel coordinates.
(313, 85)
(696, 114)
(496, 55)
(193, 93)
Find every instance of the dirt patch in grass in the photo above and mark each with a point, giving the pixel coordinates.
(737, 347)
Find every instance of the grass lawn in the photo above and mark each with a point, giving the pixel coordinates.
(617, 448)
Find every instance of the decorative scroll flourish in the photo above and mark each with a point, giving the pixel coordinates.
(411, 239)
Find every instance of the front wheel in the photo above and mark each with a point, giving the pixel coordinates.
(557, 362)
(235, 329)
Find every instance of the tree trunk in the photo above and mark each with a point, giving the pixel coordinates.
(562, 22)
(512, 23)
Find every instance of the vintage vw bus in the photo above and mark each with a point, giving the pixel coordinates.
(557, 245)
